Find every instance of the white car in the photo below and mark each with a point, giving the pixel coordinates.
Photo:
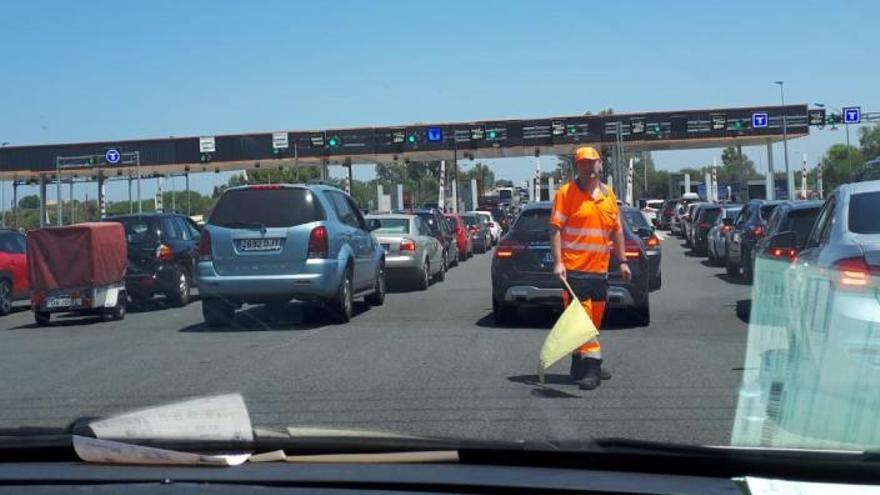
(651, 209)
(494, 227)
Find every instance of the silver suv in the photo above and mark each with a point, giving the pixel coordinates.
(269, 244)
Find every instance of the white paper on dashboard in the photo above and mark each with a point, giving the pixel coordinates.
(766, 486)
(110, 452)
(222, 417)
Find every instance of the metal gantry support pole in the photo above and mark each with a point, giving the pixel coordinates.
(43, 211)
(137, 155)
(3, 203)
(771, 179)
(58, 189)
(130, 202)
(15, 202)
(789, 178)
(188, 202)
(72, 205)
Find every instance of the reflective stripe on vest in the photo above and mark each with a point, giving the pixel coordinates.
(578, 246)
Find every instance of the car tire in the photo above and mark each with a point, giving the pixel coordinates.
(180, 293)
(748, 270)
(456, 258)
(5, 297)
(117, 313)
(217, 312)
(656, 282)
(732, 271)
(441, 275)
(503, 313)
(712, 259)
(377, 298)
(643, 312)
(41, 318)
(342, 305)
(424, 276)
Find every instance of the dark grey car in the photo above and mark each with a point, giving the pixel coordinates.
(481, 239)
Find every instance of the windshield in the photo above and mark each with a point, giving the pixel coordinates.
(266, 207)
(391, 225)
(246, 149)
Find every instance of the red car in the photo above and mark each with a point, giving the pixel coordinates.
(465, 246)
(14, 284)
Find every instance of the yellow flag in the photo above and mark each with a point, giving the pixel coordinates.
(573, 329)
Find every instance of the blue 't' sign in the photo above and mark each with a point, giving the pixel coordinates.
(759, 120)
(852, 115)
(112, 156)
(435, 134)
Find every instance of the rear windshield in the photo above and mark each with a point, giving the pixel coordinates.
(429, 219)
(731, 212)
(766, 211)
(12, 243)
(139, 229)
(453, 222)
(709, 216)
(634, 218)
(469, 220)
(800, 222)
(266, 207)
(533, 225)
(392, 225)
(863, 216)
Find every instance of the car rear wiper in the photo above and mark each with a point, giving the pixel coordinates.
(244, 225)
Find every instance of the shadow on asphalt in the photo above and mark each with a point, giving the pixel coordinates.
(295, 316)
(691, 254)
(155, 304)
(67, 320)
(730, 279)
(545, 318)
(744, 310)
(541, 390)
(708, 264)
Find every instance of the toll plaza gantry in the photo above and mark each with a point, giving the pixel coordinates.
(684, 129)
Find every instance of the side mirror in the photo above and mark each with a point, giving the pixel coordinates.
(373, 224)
(784, 240)
(727, 221)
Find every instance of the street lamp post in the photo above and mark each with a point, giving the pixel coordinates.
(788, 179)
(848, 147)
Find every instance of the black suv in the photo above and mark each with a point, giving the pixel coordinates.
(748, 229)
(162, 255)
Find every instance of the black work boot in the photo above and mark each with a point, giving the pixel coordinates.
(577, 370)
(592, 375)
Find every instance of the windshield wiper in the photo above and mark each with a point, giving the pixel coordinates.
(244, 225)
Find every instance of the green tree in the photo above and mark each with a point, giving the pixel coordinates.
(835, 165)
(869, 140)
(736, 167)
(29, 202)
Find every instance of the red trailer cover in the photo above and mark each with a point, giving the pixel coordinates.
(85, 254)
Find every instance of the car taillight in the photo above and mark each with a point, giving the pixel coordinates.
(725, 229)
(631, 249)
(509, 248)
(704, 225)
(205, 246)
(789, 253)
(407, 244)
(758, 230)
(318, 242)
(852, 273)
(653, 241)
(164, 253)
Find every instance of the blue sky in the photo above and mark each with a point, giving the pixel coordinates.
(83, 71)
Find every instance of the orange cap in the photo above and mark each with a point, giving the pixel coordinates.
(586, 153)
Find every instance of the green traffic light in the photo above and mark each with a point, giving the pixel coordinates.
(492, 134)
(332, 142)
(411, 139)
(572, 130)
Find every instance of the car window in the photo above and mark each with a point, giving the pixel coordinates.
(343, 209)
(282, 207)
(170, 229)
(634, 218)
(533, 225)
(422, 227)
(709, 215)
(139, 229)
(359, 217)
(732, 212)
(773, 221)
(800, 222)
(819, 224)
(392, 225)
(431, 222)
(12, 243)
(743, 216)
(194, 232)
(182, 229)
(827, 223)
(864, 213)
(767, 210)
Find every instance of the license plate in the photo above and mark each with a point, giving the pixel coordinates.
(548, 258)
(259, 244)
(59, 302)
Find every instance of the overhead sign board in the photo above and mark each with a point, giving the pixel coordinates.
(852, 115)
(316, 140)
(719, 121)
(557, 128)
(280, 141)
(637, 126)
(478, 132)
(207, 144)
(816, 116)
(398, 136)
(759, 120)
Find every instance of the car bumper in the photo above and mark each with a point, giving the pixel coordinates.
(145, 284)
(402, 262)
(320, 278)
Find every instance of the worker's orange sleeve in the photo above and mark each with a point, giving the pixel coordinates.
(559, 213)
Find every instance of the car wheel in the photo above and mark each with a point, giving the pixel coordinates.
(712, 260)
(656, 282)
(456, 258)
(343, 304)
(441, 275)
(5, 297)
(217, 312)
(117, 313)
(503, 314)
(643, 312)
(377, 298)
(747, 267)
(424, 276)
(731, 270)
(179, 294)
(42, 318)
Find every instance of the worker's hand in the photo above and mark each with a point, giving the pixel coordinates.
(559, 270)
(626, 272)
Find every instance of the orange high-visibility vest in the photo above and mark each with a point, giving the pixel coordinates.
(586, 225)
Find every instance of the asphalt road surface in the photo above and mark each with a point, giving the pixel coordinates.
(428, 362)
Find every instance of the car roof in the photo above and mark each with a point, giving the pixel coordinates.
(143, 215)
(803, 205)
(310, 186)
(539, 205)
(400, 216)
(863, 187)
